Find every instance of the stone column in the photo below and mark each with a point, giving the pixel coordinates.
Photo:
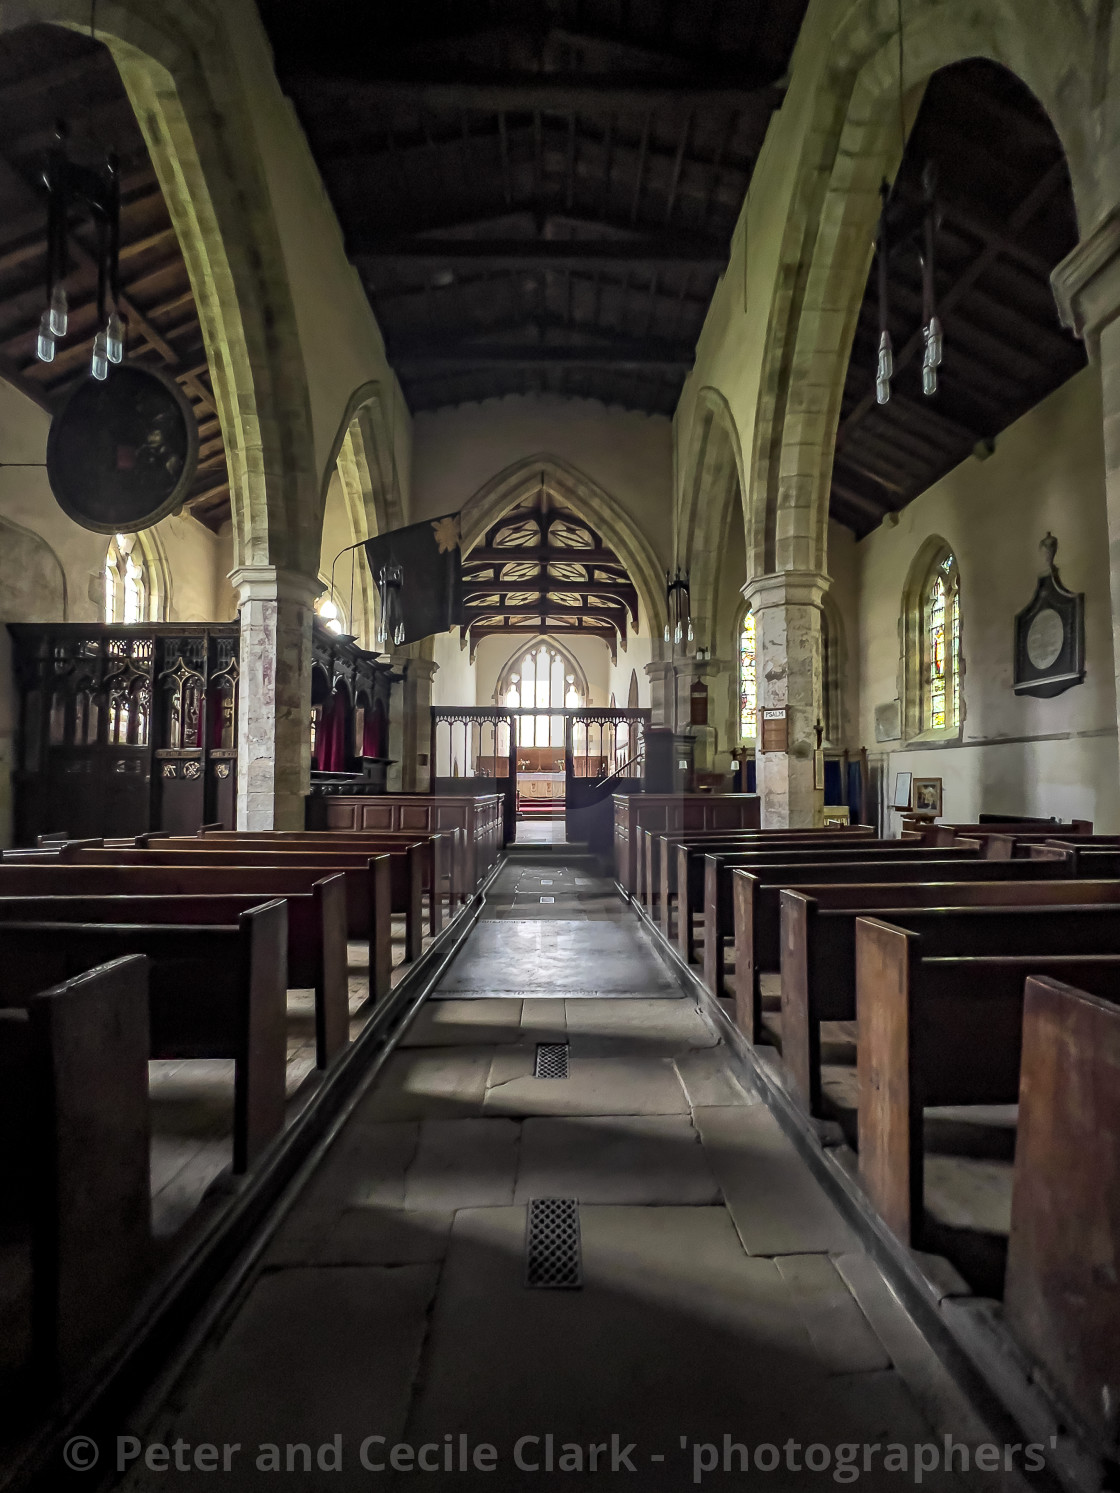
(660, 676)
(274, 696)
(416, 717)
(1087, 288)
(710, 757)
(787, 610)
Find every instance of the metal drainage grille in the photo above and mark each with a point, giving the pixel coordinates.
(552, 1253)
(552, 1060)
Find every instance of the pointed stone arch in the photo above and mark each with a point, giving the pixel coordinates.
(713, 482)
(581, 493)
(851, 142)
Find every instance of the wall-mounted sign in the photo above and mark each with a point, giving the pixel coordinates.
(775, 730)
(1050, 634)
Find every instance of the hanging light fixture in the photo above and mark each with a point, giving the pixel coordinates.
(898, 230)
(678, 630)
(95, 192)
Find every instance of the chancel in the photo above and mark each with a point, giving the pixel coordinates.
(559, 763)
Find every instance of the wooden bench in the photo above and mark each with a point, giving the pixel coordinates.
(757, 908)
(947, 1030)
(367, 917)
(818, 935)
(1062, 1293)
(213, 992)
(406, 875)
(718, 886)
(316, 937)
(450, 869)
(74, 1106)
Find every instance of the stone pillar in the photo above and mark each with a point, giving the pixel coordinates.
(787, 610)
(710, 757)
(274, 696)
(1087, 288)
(660, 676)
(416, 717)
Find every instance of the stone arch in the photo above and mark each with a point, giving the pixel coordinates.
(713, 481)
(850, 143)
(521, 480)
(185, 88)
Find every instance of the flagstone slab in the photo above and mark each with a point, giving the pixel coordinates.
(650, 1159)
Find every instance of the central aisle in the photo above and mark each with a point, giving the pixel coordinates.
(721, 1295)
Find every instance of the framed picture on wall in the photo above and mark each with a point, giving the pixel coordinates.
(927, 796)
(901, 798)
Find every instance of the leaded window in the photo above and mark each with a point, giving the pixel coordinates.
(748, 680)
(942, 642)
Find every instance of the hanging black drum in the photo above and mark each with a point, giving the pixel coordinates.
(122, 453)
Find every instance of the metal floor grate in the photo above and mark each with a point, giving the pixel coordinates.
(552, 1252)
(552, 1060)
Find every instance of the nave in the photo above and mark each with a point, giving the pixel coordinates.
(721, 1292)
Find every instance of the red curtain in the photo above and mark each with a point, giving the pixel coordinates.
(374, 743)
(331, 742)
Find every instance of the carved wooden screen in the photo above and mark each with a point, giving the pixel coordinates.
(125, 729)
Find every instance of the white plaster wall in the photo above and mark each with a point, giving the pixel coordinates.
(454, 681)
(1018, 754)
(456, 451)
(844, 561)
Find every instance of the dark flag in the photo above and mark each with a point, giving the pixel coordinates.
(418, 571)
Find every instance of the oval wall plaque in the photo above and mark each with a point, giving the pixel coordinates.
(122, 454)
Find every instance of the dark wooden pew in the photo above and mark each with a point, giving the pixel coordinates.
(757, 907)
(819, 943)
(1062, 1292)
(944, 834)
(406, 875)
(367, 917)
(316, 937)
(1084, 863)
(213, 992)
(941, 1030)
(718, 891)
(77, 1191)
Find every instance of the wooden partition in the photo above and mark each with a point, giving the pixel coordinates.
(479, 817)
(674, 812)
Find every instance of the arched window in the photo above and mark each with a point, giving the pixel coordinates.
(941, 644)
(127, 584)
(331, 613)
(933, 664)
(541, 678)
(748, 679)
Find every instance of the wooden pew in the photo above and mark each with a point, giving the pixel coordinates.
(941, 1030)
(682, 867)
(406, 875)
(1084, 864)
(316, 937)
(213, 992)
(944, 834)
(1062, 1297)
(757, 907)
(257, 884)
(450, 869)
(719, 899)
(818, 956)
(74, 1107)
(1005, 847)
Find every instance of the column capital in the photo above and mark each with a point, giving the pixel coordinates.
(421, 670)
(786, 588)
(696, 668)
(271, 583)
(1086, 283)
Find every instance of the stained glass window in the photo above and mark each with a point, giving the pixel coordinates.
(748, 680)
(942, 638)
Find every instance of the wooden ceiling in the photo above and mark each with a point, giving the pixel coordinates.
(541, 568)
(1007, 218)
(47, 75)
(539, 194)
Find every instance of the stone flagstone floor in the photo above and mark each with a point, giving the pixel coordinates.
(723, 1296)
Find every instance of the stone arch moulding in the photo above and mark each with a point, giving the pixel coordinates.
(549, 641)
(184, 86)
(849, 144)
(714, 478)
(519, 481)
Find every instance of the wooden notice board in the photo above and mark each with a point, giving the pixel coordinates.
(775, 730)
